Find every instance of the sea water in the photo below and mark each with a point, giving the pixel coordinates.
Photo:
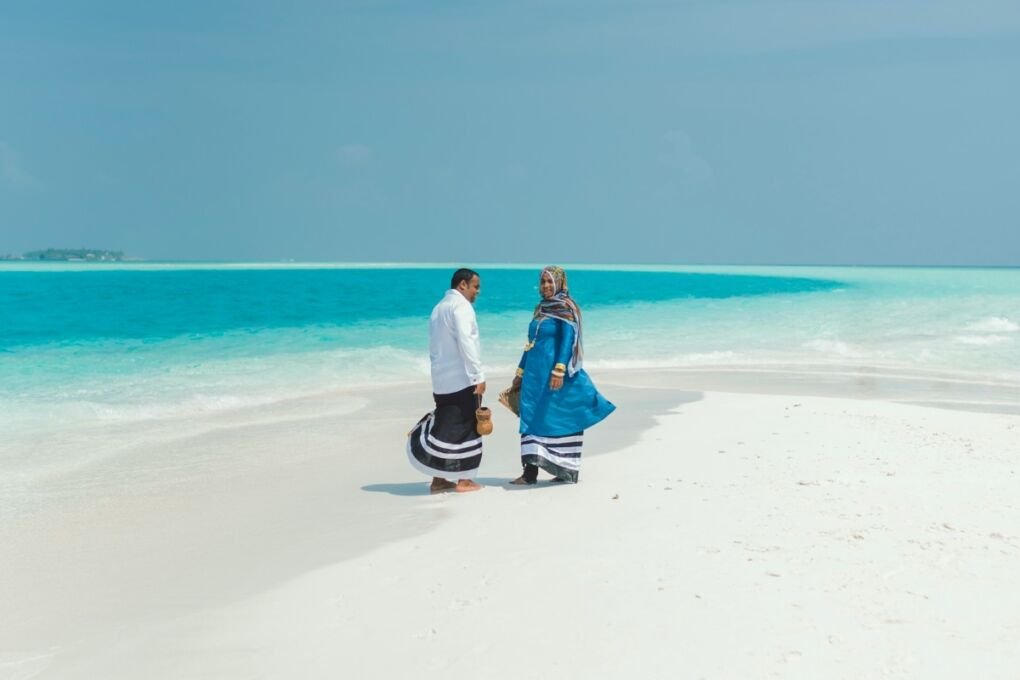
(86, 346)
(139, 341)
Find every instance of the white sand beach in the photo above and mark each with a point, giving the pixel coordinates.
(727, 525)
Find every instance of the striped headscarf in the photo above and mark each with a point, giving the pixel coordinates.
(561, 306)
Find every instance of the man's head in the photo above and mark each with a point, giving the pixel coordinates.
(467, 283)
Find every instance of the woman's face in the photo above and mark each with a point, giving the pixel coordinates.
(546, 286)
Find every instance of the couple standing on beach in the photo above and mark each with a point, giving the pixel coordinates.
(558, 401)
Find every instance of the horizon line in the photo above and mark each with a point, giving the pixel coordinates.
(370, 264)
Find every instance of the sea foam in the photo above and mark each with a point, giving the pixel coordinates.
(982, 340)
(994, 324)
(835, 348)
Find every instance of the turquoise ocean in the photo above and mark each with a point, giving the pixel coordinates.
(87, 346)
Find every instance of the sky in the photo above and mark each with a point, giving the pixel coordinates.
(597, 131)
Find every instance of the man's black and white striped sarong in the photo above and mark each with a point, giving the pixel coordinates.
(445, 442)
(559, 456)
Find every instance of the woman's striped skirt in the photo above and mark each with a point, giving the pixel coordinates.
(559, 456)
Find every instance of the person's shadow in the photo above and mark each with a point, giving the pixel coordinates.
(422, 488)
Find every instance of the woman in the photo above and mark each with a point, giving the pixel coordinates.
(558, 399)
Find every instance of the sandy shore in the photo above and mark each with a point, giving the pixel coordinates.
(725, 526)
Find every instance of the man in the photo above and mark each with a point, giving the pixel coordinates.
(445, 444)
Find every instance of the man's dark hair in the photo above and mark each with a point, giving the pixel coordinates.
(462, 275)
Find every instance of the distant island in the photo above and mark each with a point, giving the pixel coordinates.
(69, 255)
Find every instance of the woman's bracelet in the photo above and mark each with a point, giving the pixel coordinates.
(562, 368)
(520, 372)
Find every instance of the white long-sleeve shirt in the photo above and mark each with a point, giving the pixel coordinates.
(454, 348)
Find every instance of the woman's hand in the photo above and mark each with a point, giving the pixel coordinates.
(555, 382)
(516, 383)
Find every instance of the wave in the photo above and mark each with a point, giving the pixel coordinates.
(176, 387)
(835, 347)
(678, 361)
(982, 340)
(994, 324)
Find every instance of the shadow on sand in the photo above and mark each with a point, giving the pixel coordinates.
(422, 488)
(642, 405)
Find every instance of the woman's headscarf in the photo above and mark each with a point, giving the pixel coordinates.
(561, 306)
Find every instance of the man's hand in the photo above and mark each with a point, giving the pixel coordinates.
(480, 388)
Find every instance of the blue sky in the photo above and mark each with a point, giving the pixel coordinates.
(724, 131)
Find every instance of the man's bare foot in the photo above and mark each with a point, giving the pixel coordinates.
(465, 485)
(440, 485)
